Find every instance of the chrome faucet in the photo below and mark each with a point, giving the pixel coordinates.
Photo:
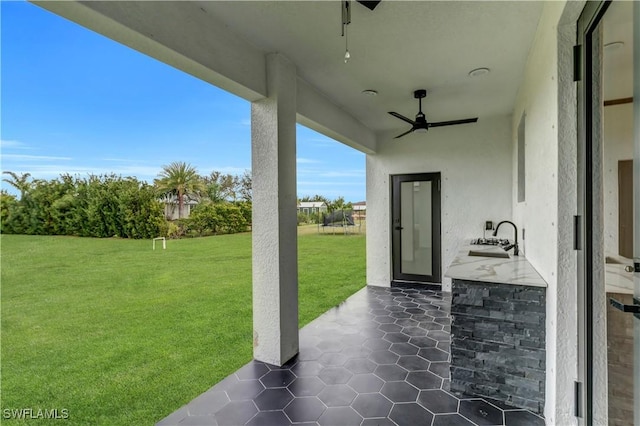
(510, 246)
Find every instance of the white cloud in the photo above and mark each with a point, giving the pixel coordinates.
(24, 157)
(6, 144)
(307, 161)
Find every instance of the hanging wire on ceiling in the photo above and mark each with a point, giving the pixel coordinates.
(346, 20)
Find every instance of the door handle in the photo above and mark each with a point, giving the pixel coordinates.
(399, 228)
(629, 268)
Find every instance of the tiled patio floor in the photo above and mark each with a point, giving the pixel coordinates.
(380, 358)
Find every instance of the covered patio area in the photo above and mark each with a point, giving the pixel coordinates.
(380, 358)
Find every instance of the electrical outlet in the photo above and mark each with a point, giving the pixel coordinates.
(488, 225)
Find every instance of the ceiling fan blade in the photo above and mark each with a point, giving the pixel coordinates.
(402, 117)
(453, 122)
(405, 133)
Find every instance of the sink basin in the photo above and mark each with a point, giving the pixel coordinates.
(498, 254)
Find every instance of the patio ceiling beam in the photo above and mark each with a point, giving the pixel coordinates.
(319, 113)
(180, 34)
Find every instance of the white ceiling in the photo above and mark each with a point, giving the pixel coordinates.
(399, 47)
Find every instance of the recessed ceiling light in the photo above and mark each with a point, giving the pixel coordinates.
(614, 45)
(479, 72)
(370, 92)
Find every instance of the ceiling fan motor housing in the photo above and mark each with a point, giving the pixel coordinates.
(419, 94)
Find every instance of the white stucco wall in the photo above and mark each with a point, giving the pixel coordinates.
(475, 165)
(618, 137)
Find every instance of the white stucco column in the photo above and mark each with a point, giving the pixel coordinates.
(275, 246)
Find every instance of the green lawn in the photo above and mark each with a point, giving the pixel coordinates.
(119, 334)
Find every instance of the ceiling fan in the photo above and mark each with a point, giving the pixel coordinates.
(421, 124)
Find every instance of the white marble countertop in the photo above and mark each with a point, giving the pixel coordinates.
(515, 270)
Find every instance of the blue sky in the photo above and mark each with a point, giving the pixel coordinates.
(75, 102)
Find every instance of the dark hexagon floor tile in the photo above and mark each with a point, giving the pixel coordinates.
(414, 331)
(253, 370)
(378, 422)
(268, 418)
(372, 332)
(413, 363)
(439, 335)
(415, 311)
(309, 354)
(440, 368)
(400, 314)
(273, 399)
(410, 414)
(434, 354)
(403, 349)
(438, 314)
(365, 383)
(383, 357)
(379, 312)
(424, 380)
(332, 359)
(330, 345)
(444, 346)
(208, 403)
(399, 392)
(335, 375)
(443, 320)
(352, 339)
(522, 418)
(391, 372)
(247, 389)
(372, 405)
(356, 352)
(307, 368)
(407, 322)
(236, 413)
(306, 409)
(396, 337)
(438, 401)
(343, 416)
(376, 344)
(360, 365)
(450, 420)
(423, 342)
(390, 328)
(480, 412)
(384, 319)
(306, 386)
(337, 395)
(428, 325)
(277, 378)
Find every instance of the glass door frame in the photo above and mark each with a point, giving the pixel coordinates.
(398, 276)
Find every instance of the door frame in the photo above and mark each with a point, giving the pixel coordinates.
(398, 278)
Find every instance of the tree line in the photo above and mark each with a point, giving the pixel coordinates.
(114, 206)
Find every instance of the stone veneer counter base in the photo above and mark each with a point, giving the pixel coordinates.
(498, 313)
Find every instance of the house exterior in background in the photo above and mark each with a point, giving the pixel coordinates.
(312, 207)
(511, 64)
(172, 207)
(360, 210)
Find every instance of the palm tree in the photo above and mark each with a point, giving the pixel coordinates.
(19, 182)
(180, 179)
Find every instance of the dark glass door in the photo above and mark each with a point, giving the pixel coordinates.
(416, 228)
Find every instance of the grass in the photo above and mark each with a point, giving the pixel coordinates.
(119, 334)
